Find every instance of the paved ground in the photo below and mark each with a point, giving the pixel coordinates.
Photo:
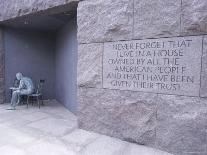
(52, 130)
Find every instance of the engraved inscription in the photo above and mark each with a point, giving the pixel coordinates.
(166, 65)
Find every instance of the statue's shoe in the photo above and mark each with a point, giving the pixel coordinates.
(11, 109)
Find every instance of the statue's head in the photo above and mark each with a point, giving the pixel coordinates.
(19, 76)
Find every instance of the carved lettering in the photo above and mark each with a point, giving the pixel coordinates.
(165, 65)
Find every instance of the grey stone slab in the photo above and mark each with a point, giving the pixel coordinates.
(46, 136)
(13, 8)
(181, 124)
(35, 116)
(104, 20)
(6, 115)
(56, 127)
(104, 146)
(81, 137)
(194, 153)
(194, 5)
(2, 68)
(49, 146)
(90, 65)
(11, 150)
(16, 122)
(165, 65)
(127, 115)
(12, 136)
(134, 150)
(203, 89)
(3, 107)
(153, 19)
(1, 40)
(194, 17)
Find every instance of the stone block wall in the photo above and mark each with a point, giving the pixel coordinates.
(10, 9)
(177, 124)
(2, 70)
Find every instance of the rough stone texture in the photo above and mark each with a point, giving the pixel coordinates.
(134, 151)
(127, 115)
(105, 20)
(194, 17)
(182, 125)
(195, 5)
(176, 124)
(203, 89)
(90, 65)
(15, 8)
(2, 80)
(153, 19)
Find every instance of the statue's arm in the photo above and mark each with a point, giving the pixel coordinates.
(21, 85)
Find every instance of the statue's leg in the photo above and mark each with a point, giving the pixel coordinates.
(14, 98)
(18, 99)
(24, 92)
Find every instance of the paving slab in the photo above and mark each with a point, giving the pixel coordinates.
(50, 148)
(53, 126)
(53, 130)
(11, 150)
(105, 146)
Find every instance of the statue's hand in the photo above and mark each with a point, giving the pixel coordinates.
(13, 88)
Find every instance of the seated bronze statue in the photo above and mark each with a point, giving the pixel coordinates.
(26, 87)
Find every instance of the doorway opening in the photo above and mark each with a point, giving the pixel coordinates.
(44, 46)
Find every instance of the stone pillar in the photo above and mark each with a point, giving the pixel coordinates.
(2, 68)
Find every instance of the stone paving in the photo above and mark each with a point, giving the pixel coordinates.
(53, 130)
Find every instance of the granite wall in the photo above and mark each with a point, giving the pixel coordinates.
(177, 124)
(15, 8)
(174, 123)
(66, 65)
(2, 69)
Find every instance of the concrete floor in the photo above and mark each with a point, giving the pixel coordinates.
(53, 130)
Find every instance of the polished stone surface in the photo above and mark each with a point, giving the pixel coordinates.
(53, 130)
